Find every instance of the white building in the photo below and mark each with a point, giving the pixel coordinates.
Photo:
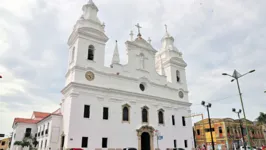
(121, 106)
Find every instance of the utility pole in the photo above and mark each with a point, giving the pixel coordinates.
(209, 106)
(236, 75)
(241, 127)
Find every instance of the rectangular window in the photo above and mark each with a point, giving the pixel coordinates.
(86, 111)
(84, 143)
(183, 121)
(105, 113)
(173, 120)
(198, 131)
(104, 142)
(208, 130)
(28, 130)
(174, 143)
(185, 142)
(62, 141)
(220, 130)
(3, 142)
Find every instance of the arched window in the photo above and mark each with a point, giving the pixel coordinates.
(91, 52)
(73, 54)
(160, 117)
(125, 114)
(144, 115)
(177, 76)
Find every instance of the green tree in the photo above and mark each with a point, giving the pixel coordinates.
(27, 142)
(262, 118)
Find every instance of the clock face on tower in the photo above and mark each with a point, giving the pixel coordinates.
(89, 75)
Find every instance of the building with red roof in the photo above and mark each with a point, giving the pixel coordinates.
(44, 126)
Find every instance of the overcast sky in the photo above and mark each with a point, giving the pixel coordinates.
(215, 36)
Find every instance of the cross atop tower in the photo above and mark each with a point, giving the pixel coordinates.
(166, 28)
(138, 26)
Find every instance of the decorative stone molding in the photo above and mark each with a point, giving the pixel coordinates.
(120, 92)
(100, 98)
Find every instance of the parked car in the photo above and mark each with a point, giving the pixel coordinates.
(129, 148)
(248, 148)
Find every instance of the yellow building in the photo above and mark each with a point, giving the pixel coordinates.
(4, 143)
(226, 133)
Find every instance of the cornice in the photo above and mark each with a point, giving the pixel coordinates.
(87, 32)
(120, 92)
(124, 77)
(176, 62)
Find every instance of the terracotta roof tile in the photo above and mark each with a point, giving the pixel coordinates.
(25, 120)
(40, 114)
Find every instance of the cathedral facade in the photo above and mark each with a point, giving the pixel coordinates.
(142, 104)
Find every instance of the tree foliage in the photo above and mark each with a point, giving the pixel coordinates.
(262, 118)
(27, 142)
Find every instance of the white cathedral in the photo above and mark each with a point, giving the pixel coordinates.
(142, 104)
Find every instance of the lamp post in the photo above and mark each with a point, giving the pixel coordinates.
(209, 106)
(236, 75)
(241, 127)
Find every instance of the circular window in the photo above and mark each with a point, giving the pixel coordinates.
(142, 87)
(181, 94)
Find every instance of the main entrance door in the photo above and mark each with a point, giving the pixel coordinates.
(145, 141)
(145, 138)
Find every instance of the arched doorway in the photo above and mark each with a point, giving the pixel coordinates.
(145, 138)
(145, 141)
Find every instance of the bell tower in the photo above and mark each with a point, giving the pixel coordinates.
(169, 62)
(86, 42)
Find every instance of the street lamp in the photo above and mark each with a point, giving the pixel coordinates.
(241, 127)
(209, 105)
(236, 75)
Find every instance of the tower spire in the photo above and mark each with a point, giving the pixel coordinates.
(116, 59)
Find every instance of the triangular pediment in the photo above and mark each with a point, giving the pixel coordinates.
(141, 43)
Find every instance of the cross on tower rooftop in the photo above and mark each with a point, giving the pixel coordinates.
(138, 26)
